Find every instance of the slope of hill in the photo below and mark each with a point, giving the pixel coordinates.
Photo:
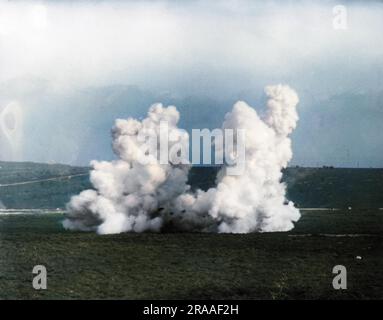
(335, 187)
(319, 187)
(36, 185)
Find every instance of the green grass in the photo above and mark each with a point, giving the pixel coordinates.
(293, 265)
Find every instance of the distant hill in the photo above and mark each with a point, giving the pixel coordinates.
(36, 185)
(38, 191)
(326, 187)
(11, 172)
(335, 187)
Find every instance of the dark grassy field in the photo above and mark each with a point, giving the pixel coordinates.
(293, 265)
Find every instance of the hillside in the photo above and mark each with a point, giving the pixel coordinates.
(319, 187)
(27, 185)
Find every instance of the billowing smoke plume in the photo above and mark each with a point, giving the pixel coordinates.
(128, 193)
(132, 196)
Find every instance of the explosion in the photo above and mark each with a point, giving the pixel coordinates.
(132, 196)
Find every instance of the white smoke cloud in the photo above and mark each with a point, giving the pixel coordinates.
(128, 193)
(131, 196)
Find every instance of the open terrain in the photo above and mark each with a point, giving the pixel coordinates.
(291, 265)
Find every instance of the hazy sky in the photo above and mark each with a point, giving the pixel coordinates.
(68, 69)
